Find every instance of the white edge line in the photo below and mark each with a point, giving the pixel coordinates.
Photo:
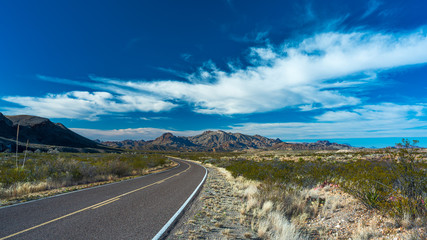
(175, 216)
(89, 188)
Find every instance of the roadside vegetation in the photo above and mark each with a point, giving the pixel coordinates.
(392, 182)
(25, 173)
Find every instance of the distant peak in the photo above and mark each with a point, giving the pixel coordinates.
(165, 136)
(168, 134)
(5, 120)
(61, 125)
(213, 132)
(27, 120)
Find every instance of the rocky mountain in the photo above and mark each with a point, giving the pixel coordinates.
(40, 133)
(319, 145)
(171, 141)
(126, 144)
(207, 141)
(166, 141)
(6, 127)
(231, 141)
(221, 141)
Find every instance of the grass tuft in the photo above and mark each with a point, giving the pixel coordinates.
(49, 171)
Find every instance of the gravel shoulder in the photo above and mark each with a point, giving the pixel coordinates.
(215, 214)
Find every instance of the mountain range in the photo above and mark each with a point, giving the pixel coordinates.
(221, 141)
(43, 134)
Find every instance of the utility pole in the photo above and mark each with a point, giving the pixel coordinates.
(16, 156)
(25, 156)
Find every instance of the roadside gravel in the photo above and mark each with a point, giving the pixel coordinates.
(215, 214)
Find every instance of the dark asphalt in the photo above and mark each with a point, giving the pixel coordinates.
(142, 208)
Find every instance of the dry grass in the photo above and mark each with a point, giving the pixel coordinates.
(20, 189)
(226, 232)
(267, 207)
(406, 221)
(365, 233)
(247, 235)
(24, 191)
(216, 213)
(260, 212)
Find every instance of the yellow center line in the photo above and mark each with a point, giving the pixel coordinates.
(106, 203)
(95, 205)
(101, 203)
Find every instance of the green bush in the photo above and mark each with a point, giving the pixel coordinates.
(393, 181)
(13, 175)
(74, 168)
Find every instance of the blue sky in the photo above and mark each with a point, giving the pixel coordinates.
(118, 70)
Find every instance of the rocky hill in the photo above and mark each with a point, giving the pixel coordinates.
(231, 141)
(207, 141)
(319, 145)
(41, 133)
(221, 141)
(125, 144)
(6, 127)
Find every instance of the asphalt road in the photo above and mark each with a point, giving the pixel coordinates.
(133, 209)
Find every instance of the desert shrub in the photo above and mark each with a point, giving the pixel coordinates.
(119, 168)
(13, 175)
(410, 183)
(393, 181)
(65, 169)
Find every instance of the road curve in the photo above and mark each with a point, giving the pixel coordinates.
(133, 209)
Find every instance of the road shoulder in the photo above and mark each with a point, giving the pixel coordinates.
(215, 213)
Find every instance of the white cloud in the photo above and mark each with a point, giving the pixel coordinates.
(314, 73)
(338, 116)
(383, 120)
(130, 133)
(380, 112)
(295, 75)
(84, 105)
(153, 118)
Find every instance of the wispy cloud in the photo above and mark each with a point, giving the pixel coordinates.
(85, 105)
(174, 72)
(253, 37)
(186, 56)
(383, 120)
(372, 7)
(314, 73)
(296, 74)
(153, 118)
(381, 112)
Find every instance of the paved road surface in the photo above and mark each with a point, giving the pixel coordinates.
(134, 209)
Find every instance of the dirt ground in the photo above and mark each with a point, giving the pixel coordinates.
(215, 214)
